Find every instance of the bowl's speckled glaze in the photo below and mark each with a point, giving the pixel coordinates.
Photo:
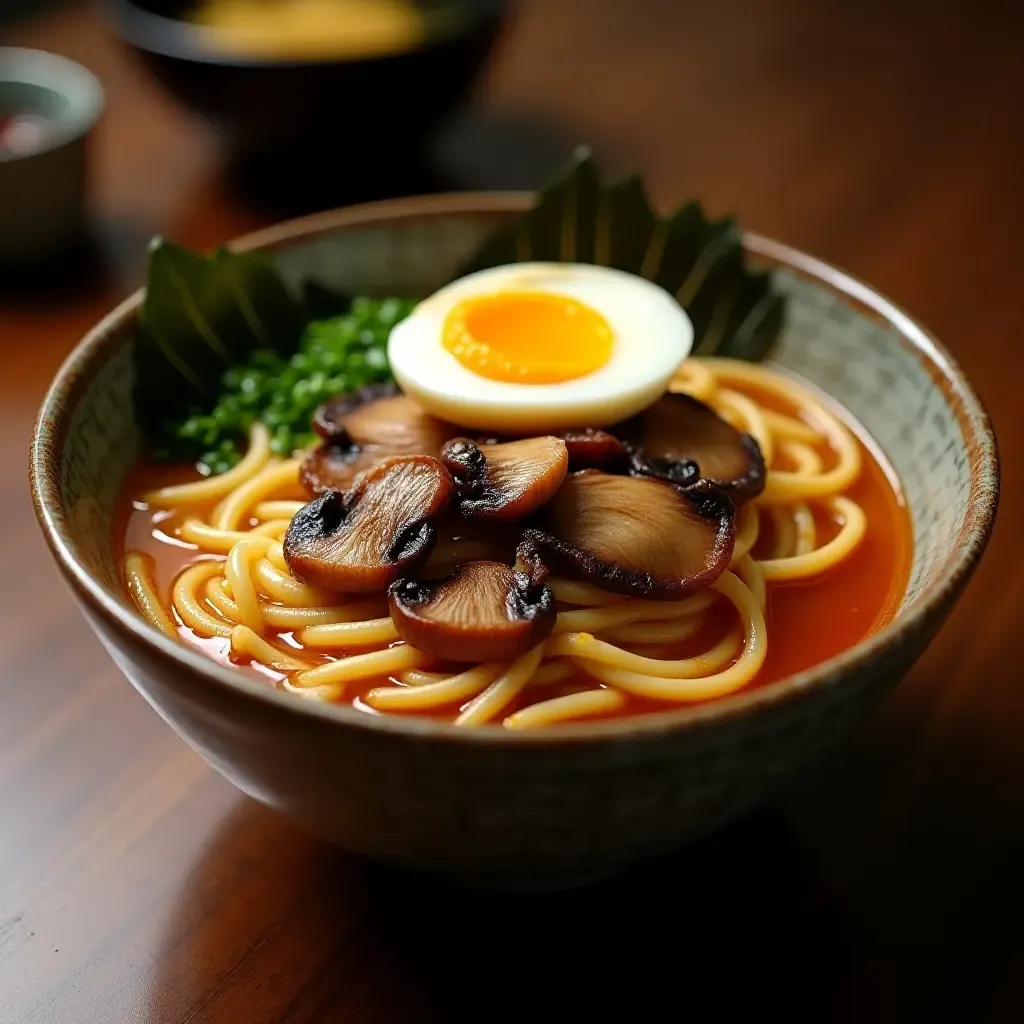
(569, 803)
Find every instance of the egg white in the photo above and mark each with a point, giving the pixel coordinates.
(652, 337)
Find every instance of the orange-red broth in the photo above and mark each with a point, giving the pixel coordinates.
(808, 621)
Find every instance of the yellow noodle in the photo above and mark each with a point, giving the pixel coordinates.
(785, 486)
(575, 592)
(749, 570)
(211, 539)
(190, 607)
(806, 529)
(217, 487)
(503, 690)
(272, 479)
(437, 694)
(594, 620)
(695, 378)
(279, 616)
(563, 709)
(349, 634)
(275, 556)
(689, 690)
(554, 671)
(831, 554)
(327, 693)
(139, 579)
(238, 572)
(588, 647)
(247, 644)
(265, 510)
(784, 530)
(786, 428)
(807, 460)
(363, 666)
(748, 412)
(670, 632)
(748, 526)
(281, 587)
(274, 528)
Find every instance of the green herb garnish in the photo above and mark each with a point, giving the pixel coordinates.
(343, 353)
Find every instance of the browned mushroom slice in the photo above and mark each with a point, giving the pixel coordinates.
(634, 535)
(678, 431)
(328, 418)
(505, 481)
(469, 540)
(484, 611)
(362, 541)
(334, 467)
(366, 428)
(589, 448)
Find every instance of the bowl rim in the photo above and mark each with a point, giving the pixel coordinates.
(50, 71)
(181, 40)
(929, 607)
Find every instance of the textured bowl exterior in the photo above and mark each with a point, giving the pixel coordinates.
(575, 802)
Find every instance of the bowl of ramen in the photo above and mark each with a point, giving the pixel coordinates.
(532, 542)
(276, 73)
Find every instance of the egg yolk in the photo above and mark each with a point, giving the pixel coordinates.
(527, 337)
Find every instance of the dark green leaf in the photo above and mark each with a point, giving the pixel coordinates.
(201, 315)
(321, 302)
(624, 205)
(734, 309)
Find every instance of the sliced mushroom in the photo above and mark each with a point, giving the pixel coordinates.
(484, 611)
(365, 428)
(334, 467)
(634, 535)
(328, 420)
(505, 481)
(681, 439)
(469, 540)
(361, 541)
(590, 448)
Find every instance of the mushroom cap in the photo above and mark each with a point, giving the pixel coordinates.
(483, 611)
(634, 535)
(681, 439)
(505, 481)
(362, 540)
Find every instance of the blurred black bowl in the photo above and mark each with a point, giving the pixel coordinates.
(334, 129)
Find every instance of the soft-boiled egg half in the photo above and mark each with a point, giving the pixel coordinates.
(537, 347)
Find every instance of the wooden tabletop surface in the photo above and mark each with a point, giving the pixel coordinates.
(136, 885)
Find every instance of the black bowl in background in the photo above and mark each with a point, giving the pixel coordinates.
(319, 131)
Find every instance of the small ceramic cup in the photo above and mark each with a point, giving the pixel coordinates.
(43, 185)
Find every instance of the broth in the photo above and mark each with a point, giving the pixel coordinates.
(808, 621)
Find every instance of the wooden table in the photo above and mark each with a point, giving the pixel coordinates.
(137, 886)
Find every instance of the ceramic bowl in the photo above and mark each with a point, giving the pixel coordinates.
(43, 190)
(575, 802)
(282, 116)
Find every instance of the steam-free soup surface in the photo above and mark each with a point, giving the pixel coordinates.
(807, 622)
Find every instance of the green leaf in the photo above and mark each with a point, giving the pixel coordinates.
(321, 302)
(577, 219)
(201, 315)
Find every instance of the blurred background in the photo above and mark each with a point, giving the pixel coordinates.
(884, 136)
